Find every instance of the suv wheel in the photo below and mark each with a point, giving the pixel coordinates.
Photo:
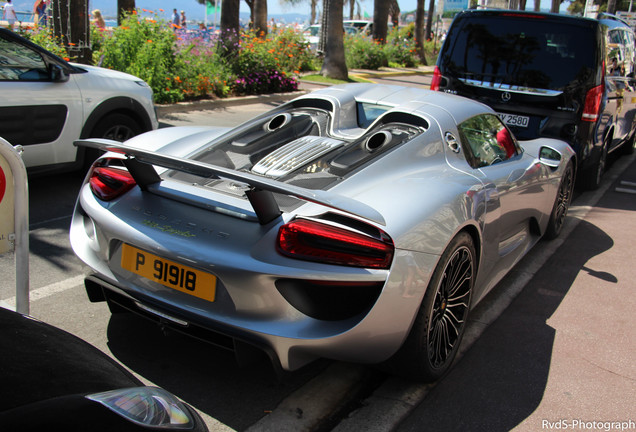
(593, 175)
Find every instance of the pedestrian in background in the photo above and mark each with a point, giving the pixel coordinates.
(98, 20)
(39, 10)
(184, 23)
(8, 13)
(175, 20)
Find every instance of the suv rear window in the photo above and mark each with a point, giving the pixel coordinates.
(521, 51)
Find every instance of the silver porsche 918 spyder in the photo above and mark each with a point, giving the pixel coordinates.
(360, 223)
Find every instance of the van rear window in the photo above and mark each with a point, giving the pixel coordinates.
(523, 52)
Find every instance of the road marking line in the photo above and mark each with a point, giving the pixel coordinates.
(625, 190)
(46, 291)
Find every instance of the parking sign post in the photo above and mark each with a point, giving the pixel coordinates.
(14, 218)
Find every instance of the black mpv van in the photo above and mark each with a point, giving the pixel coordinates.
(547, 75)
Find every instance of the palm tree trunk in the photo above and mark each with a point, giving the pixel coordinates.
(229, 38)
(380, 20)
(419, 31)
(334, 65)
(124, 6)
(71, 24)
(260, 17)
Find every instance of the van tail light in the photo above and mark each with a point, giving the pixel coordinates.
(437, 79)
(108, 183)
(319, 242)
(592, 107)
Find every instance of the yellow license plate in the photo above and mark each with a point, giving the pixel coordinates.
(169, 273)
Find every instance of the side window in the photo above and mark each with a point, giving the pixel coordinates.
(19, 63)
(486, 140)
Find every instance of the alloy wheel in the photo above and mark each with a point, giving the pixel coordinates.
(450, 307)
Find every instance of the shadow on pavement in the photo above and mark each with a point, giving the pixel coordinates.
(206, 377)
(501, 379)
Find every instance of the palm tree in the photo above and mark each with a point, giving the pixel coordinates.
(419, 31)
(380, 20)
(352, 6)
(429, 19)
(258, 15)
(229, 40)
(334, 65)
(71, 27)
(124, 7)
(394, 13)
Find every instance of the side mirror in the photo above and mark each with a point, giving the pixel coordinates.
(57, 73)
(549, 157)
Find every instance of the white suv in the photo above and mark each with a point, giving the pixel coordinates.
(47, 103)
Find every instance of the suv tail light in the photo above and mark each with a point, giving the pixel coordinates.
(437, 79)
(315, 241)
(592, 107)
(108, 183)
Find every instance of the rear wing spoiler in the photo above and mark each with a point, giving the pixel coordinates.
(261, 189)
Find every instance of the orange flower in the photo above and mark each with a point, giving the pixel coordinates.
(149, 41)
(161, 10)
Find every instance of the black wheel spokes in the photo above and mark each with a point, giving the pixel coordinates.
(450, 307)
(119, 133)
(565, 195)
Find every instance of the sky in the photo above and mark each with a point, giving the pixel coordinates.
(196, 11)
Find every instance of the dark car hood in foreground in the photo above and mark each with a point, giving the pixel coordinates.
(39, 362)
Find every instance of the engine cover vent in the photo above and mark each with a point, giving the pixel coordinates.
(295, 155)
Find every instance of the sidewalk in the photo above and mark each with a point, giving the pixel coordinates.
(562, 354)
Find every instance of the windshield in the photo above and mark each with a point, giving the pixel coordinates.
(520, 51)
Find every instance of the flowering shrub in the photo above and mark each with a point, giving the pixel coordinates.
(264, 82)
(44, 37)
(400, 48)
(180, 64)
(362, 52)
(144, 47)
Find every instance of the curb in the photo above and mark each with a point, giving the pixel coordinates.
(180, 107)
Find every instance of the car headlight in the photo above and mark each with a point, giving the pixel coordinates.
(146, 406)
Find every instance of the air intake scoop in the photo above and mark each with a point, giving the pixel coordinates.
(295, 155)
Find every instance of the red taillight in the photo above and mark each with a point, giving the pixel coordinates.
(592, 107)
(437, 79)
(315, 241)
(108, 183)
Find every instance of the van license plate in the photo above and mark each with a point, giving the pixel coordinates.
(169, 273)
(515, 120)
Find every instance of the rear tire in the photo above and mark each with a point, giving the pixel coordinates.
(628, 147)
(434, 340)
(561, 204)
